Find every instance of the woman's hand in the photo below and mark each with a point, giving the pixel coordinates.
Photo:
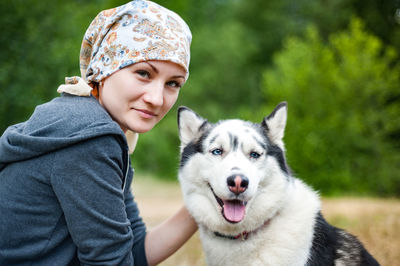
(162, 241)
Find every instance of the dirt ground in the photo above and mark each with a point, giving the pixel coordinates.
(376, 222)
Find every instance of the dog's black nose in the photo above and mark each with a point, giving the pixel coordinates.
(237, 183)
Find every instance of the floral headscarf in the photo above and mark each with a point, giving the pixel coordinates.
(118, 37)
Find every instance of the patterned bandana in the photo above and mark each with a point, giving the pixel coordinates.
(118, 37)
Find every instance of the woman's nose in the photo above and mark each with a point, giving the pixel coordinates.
(154, 94)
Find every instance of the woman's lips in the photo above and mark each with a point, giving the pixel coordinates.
(145, 113)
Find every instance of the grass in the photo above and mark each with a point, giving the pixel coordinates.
(376, 222)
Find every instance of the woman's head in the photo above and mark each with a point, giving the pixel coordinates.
(136, 57)
(135, 32)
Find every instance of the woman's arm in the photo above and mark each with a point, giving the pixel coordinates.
(86, 179)
(166, 238)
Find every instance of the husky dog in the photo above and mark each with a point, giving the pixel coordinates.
(249, 207)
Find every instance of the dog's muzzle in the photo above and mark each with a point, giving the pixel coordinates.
(233, 211)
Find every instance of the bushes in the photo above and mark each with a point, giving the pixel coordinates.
(343, 113)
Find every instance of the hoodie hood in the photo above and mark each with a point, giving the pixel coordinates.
(62, 122)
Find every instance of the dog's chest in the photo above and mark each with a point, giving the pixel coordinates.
(265, 247)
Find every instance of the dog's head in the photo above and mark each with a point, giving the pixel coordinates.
(233, 173)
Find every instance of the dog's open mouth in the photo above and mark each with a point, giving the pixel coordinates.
(232, 210)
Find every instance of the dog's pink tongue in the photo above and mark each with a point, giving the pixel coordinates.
(234, 210)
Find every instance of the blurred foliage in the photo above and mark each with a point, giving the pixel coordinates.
(237, 48)
(342, 114)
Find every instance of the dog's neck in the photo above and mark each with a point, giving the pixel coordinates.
(243, 235)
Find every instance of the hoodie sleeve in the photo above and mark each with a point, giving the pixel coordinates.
(87, 180)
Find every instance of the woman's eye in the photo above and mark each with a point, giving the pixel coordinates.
(254, 155)
(216, 152)
(143, 73)
(174, 84)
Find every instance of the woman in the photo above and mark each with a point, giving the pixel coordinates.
(65, 173)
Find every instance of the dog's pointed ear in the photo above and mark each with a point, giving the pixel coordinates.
(189, 125)
(275, 123)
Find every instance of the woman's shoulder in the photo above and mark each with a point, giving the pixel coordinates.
(68, 105)
(55, 125)
(71, 115)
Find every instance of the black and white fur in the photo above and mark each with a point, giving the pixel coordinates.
(249, 207)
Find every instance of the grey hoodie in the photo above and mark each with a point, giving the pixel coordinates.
(64, 189)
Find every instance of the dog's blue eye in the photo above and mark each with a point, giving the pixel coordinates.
(254, 155)
(216, 152)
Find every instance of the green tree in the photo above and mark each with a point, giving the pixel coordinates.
(382, 18)
(343, 112)
(39, 45)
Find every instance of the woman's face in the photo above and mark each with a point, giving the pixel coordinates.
(140, 95)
